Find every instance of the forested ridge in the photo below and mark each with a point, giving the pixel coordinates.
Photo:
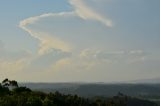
(11, 94)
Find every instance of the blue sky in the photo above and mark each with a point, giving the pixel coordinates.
(79, 40)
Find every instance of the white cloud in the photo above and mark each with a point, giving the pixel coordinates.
(113, 56)
(90, 59)
(48, 41)
(14, 62)
(136, 52)
(84, 60)
(34, 19)
(74, 64)
(85, 12)
(12, 66)
(45, 61)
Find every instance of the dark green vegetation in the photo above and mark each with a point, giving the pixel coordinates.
(146, 91)
(13, 95)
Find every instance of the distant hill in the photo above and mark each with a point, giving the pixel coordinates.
(149, 81)
(89, 94)
(22, 96)
(95, 89)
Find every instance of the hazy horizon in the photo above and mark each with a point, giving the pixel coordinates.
(79, 40)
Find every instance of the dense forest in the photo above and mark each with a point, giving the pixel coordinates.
(11, 94)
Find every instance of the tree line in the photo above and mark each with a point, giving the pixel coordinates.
(11, 94)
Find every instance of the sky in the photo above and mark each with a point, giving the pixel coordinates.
(79, 40)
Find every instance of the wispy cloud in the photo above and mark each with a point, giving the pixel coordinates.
(12, 66)
(68, 59)
(85, 12)
(91, 59)
(13, 62)
(52, 41)
(114, 56)
(33, 19)
(46, 41)
(79, 41)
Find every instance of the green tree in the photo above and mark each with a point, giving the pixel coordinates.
(34, 101)
(9, 83)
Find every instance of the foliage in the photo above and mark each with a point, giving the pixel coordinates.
(22, 96)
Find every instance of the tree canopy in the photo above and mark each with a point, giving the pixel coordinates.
(23, 96)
